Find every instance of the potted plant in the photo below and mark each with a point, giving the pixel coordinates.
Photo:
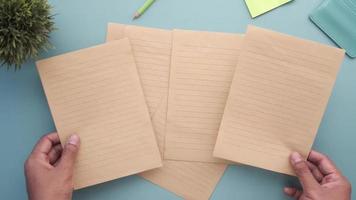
(25, 26)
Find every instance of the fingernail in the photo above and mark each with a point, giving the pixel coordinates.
(287, 189)
(296, 157)
(74, 140)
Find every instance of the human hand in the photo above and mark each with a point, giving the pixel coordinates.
(49, 168)
(319, 177)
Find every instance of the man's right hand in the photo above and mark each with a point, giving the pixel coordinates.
(319, 177)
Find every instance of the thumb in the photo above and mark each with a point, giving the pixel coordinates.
(70, 153)
(303, 172)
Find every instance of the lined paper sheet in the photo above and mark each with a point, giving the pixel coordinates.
(202, 68)
(152, 50)
(277, 99)
(96, 93)
(191, 181)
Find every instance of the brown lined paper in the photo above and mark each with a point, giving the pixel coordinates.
(192, 181)
(278, 96)
(96, 94)
(202, 67)
(152, 51)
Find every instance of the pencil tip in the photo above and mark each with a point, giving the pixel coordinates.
(136, 15)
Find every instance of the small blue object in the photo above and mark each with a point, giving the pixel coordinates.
(337, 18)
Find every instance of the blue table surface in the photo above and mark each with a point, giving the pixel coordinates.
(24, 113)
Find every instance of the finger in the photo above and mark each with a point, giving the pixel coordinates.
(70, 153)
(55, 153)
(44, 145)
(297, 194)
(315, 171)
(292, 192)
(325, 165)
(303, 172)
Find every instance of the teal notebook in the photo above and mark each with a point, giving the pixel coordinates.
(337, 18)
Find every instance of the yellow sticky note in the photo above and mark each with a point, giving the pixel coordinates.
(258, 7)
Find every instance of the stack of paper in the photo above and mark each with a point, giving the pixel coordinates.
(198, 99)
(152, 50)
